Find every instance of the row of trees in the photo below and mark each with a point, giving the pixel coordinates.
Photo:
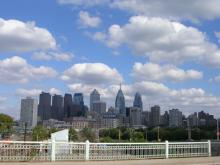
(128, 134)
(154, 134)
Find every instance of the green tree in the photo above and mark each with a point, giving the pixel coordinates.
(138, 137)
(88, 134)
(6, 123)
(73, 136)
(40, 133)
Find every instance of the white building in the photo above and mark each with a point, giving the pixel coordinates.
(29, 112)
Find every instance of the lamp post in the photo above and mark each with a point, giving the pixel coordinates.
(25, 130)
(146, 134)
(158, 133)
(217, 133)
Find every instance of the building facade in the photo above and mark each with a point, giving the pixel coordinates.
(28, 112)
(44, 107)
(155, 116)
(94, 97)
(175, 118)
(68, 102)
(138, 101)
(120, 102)
(57, 107)
(99, 107)
(135, 117)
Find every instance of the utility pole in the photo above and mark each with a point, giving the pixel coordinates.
(158, 133)
(146, 134)
(189, 130)
(119, 134)
(25, 130)
(217, 130)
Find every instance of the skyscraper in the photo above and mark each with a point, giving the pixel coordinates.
(99, 107)
(120, 102)
(94, 97)
(44, 107)
(78, 99)
(135, 116)
(78, 102)
(57, 107)
(68, 102)
(138, 101)
(175, 118)
(29, 112)
(155, 116)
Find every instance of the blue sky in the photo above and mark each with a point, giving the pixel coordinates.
(169, 52)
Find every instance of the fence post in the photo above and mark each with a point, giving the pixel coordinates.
(53, 150)
(209, 148)
(166, 149)
(87, 150)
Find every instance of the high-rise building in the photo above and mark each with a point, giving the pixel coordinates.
(57, 107)
(138, 101)
(120, 102)
(145, 118)
(193, 120)
(29, 112)
(78, 99)
(94, 96)
(44, 107)
(155, 116)
(68, 102)
(175, 118)
(164, 120)
(99, 107)
(135, 116)
(205, 119)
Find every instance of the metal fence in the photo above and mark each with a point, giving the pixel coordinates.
(67, 151)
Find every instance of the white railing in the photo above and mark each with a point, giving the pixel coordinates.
(67, 151)
(25, 151)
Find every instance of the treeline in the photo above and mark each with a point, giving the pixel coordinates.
(156, 134)
(129, 135)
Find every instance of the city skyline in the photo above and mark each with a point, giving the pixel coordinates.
(75, 46)
(66, 113)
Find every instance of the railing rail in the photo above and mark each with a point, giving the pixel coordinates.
(67, 151)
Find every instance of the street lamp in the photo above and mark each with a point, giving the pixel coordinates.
(217, 133)
(158, 133)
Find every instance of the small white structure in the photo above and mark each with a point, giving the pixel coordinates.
(60, 145)
(60, 136)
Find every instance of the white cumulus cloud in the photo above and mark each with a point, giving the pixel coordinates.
(92, 73)
(17, 70)
(19, 36)
(162, 40)
(86, 20)
(156, 72)
(173, 9)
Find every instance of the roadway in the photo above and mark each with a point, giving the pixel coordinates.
(182, 161)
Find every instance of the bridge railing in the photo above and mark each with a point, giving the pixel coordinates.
(67, 151)
(25, 151)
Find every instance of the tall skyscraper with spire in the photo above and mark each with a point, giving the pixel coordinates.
(120, 102)
(94, 97)
(138, 101)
